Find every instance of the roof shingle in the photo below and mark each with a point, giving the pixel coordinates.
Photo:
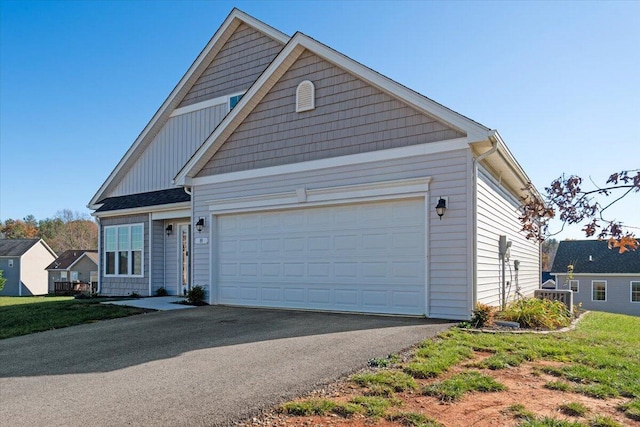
(16, 247)
(593, 256)
(152, 198)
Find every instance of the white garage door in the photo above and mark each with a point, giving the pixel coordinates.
(355, 257)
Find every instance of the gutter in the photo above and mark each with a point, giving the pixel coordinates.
(494, 139)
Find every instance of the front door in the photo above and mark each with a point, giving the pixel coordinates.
(184, 272)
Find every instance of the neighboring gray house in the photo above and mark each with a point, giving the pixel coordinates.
(74, 266)
(603, 279)
(281, 173)
(23, 263)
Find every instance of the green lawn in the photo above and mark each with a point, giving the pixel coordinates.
(26, 315)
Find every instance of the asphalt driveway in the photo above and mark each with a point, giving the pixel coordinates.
(204, 366)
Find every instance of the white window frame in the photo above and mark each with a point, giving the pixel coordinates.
(634, 282)
(593, 282)
(63, 276)
(75, 276)
(234, 95)
(129, 251)
(577, 282)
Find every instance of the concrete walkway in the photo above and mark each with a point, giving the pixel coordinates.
(154, 303)
(209, 366)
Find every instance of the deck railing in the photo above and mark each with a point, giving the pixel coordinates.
(73, 288)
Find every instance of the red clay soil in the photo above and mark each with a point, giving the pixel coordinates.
(525, 385)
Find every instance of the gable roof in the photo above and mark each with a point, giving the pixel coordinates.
(231, 23)
(18, 247)
(70, 257)
(603, 259)
(289, 54)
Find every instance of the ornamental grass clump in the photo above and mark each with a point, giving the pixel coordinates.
(537, 313)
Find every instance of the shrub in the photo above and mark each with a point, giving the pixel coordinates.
(482, 315)
(162, 292)
(195, 296)
(134, 294)
(537, 313)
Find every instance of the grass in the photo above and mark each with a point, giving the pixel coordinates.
(599, 358)
(455, 387)
(631, 409)
(574, 409)
(373, 407)
(397, 381)
(411, 419)
(26, 315)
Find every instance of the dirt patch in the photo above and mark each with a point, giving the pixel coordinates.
(525, 386)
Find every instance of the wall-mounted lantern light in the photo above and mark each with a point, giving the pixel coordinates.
(441, 207)
(169, 229)
(200, 224)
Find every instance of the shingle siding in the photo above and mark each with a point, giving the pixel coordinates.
(241, 60)
(350, 117)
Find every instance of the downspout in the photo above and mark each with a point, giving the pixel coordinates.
(476, 161)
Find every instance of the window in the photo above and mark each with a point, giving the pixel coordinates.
(233, 100)
(599, 290)
(573, 285)
(305, 97)
(63, 275)
(123, 245)
(74, 276)
(635, 291)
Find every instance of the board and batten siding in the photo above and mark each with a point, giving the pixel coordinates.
(169, 151)
(239, 63)
(121, 286)
(350, 117)
(497, 214)
(449, 282)
(618, 295)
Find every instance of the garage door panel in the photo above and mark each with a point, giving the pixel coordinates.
(360, 257)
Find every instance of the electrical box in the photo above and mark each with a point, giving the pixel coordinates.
(504, 247)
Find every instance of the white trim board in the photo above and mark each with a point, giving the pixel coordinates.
(302, 197)
(171, 207)
(352, 159)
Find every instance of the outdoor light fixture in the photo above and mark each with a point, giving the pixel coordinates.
(169, 229)
(441, 207)
(200, 224)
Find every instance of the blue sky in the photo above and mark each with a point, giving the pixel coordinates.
(79, 80)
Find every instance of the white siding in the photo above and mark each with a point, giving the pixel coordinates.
(497, 214)
(169, 151)
(32, 270)
(449, 284)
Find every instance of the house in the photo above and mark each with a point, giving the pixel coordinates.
(23, 263)
(601, 278)
(73, 267)
(281, 173)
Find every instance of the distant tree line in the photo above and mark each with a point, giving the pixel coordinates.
(66, 230)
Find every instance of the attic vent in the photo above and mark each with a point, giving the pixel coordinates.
(305, 97)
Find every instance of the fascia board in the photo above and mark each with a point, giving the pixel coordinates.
(84, 254)
(276, 69)
(143, 209)
(235, 18)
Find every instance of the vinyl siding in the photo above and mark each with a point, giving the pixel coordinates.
(157, 255)
(12, 274)
(449, 284)
(33, 275)
(350, 117)
(239, 63)
(497, 214)
(121, 286)
(618, 293)
(169, 151)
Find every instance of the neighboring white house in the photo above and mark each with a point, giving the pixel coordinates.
(23, 263)
(281, 173)
(601, 278)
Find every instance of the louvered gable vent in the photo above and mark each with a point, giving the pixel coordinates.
(305, 96)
